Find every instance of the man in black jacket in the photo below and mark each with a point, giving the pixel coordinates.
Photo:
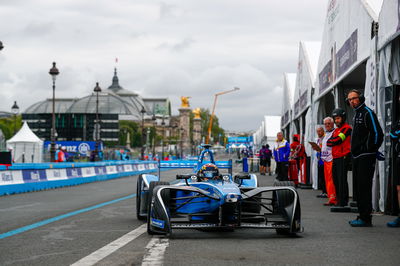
(366, 139)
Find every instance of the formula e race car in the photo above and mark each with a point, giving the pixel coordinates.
(207, 198)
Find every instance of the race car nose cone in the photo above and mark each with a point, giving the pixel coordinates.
(231, 197)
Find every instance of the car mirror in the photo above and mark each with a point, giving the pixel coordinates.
(183, 176)
(243, 176)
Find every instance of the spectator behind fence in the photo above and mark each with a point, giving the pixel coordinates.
(366, 139)
(395, 137)
(327, 158)
(281, 156)
(60, 154)
(340, 143)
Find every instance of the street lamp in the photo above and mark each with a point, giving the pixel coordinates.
(97, 89)
(15, 111)
(163, 136)
(181, 141)
(143, 111)
(154, 118)
(53, 72)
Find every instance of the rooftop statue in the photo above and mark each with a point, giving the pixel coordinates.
(185, 101)
(196, 113)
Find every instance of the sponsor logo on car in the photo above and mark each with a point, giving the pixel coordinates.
(157, 223)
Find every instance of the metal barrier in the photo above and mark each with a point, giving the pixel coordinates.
(254, 164)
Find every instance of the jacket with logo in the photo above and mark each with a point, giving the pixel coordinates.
(367, 134)
(340, 141)
(281, 151)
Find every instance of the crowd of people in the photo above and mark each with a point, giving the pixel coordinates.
(340, 147)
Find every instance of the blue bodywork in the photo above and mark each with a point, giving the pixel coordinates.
(219, 202)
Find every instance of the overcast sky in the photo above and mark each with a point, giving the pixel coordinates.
(164, 49)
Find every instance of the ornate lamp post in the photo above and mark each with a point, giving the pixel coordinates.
(97, 89)
(154, 118)
(15, 111)
(53, 72)
(143, 111)
(163, 136)
(181, 141)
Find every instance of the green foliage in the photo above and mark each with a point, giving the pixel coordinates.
(134, 133)
(217, 133)
(7, 125)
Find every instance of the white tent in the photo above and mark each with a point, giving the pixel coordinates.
(289, 83)
(388, 82)
(345, 42)
(26, 146)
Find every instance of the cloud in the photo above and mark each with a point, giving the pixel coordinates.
(165, 49)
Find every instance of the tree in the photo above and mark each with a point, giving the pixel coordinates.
(7, 125)
(134, 130)
(217, 133)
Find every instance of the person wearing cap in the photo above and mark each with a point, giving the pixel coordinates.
(367, 137)
(297, 151)
(340, 143)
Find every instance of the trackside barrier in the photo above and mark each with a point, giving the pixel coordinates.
(28, 177)
(254, 164)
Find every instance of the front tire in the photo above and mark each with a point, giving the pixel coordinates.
(153, 184)
(139, 201)
(283, 198)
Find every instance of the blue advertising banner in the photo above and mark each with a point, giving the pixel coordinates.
(82, 147)
(238, 139)
(33, 175)
(74, 172)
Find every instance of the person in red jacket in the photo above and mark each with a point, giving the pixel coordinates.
(340, 143)
(297, 151)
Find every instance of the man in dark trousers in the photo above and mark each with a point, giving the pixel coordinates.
(367, 137)
(340, 143)
(281, 156)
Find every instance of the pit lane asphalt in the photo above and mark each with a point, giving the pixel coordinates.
(327, 239)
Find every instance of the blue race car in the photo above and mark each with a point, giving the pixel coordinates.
(208, 198)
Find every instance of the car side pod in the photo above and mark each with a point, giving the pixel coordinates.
(158, 220)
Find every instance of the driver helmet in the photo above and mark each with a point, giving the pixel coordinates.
(208, 170)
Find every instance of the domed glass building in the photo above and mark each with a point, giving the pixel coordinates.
(75, 117)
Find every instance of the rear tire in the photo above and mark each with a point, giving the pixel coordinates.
(153, 184)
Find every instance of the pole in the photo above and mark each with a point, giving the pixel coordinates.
(97, 126)
(15, 124)
(53, 127)
(142, 139)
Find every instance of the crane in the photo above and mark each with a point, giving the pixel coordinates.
(213, 111)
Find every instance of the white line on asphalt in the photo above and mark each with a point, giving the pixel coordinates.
(110, 248)
(155, 251)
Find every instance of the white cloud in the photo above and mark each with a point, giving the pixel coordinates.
(165, 49)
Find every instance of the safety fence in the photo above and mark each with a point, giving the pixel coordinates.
(29, 177)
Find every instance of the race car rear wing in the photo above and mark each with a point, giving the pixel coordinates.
(192, 164)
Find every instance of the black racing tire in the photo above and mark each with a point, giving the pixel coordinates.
(284, 184)
(139, 199)
(283, 198)
(152, 185)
